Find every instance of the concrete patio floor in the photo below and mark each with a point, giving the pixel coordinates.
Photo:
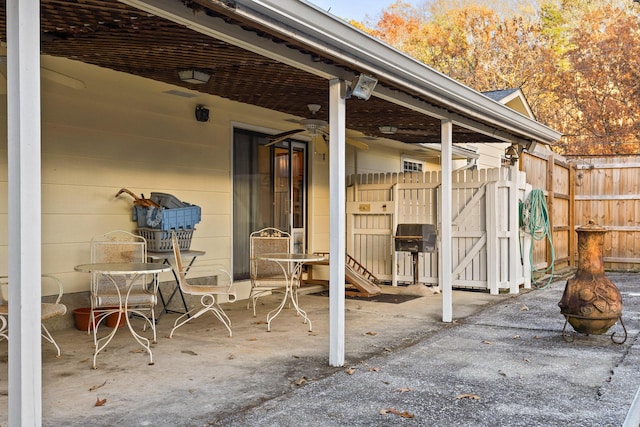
(201, 373)
(202, 377)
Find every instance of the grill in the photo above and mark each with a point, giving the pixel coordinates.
(415, 238)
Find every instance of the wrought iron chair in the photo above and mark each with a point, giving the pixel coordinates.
(48, 310)
(267, 276)
(209, 294)
(107, 293)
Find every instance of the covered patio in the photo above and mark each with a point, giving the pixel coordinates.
(270, 60)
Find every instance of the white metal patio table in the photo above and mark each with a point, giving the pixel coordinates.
(131, 271)
(292, 277)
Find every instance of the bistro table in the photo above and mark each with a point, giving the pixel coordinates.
(165, 258)
(292, 276)
(131, 271)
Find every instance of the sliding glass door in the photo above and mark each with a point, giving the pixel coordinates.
(269, 190)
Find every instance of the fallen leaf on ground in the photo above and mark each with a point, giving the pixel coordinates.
(231, 357)
(515, 337)
(301, 381)
(252, 339)
(504, 374)
(373, 334)
(468, 396)
(404, 414)
(526, 360)
(404, 390)
(374, 369)
(487, 342)
(138, 350)
(524, 308)
(189, 352)
(95, 387)
(350, 371)
(100, 402)
(259, 322)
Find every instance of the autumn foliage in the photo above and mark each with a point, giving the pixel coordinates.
(577, 62)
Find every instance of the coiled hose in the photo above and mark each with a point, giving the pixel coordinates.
(535, 221)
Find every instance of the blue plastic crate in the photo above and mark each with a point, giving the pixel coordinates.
(167, 219)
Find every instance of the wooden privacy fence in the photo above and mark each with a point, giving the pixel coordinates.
(605, 190)
(488, 252)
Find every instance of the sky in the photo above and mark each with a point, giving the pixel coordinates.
(356, 9)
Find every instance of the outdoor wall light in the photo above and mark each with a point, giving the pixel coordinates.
(362, 86)
(202, 113)
(195, 77)
(511, 154)
(387, 130)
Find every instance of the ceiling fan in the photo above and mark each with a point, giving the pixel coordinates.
(314, 127)
(49, 74)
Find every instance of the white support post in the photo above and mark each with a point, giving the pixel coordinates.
(446, 217)
(526, 246)
(337, 203)
(514, 235)
(24, 260)
(493, 268)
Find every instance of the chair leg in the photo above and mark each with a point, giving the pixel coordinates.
(47, 336)
(189, 316)
(3, 327)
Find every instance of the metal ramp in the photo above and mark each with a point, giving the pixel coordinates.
(360, 281)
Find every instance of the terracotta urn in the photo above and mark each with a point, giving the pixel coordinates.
(591, 303)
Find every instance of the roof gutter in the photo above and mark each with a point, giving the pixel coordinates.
(305, 22)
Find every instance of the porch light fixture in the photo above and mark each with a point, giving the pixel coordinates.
(195, 77)
(387, 130)
(362, 86)
(511, 154)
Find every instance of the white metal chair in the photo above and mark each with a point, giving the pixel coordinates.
(267, 276)
(209, 294)
(48, 310)
(107, 293)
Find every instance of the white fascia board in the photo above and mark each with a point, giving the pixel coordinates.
(383, 60)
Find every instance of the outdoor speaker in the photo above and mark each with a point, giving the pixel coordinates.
(202, 113)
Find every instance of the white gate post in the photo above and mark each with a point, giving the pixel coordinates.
(514, 235)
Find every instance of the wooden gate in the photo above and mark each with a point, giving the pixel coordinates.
(486, 248)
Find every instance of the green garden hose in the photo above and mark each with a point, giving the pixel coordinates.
(534, 217)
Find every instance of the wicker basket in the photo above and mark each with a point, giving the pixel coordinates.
(160, 240)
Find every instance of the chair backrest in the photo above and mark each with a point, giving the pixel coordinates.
(115, 247)
(178, 259)
(265, 241)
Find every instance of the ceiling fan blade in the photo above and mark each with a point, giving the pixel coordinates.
(357, 144)
(274, 139)
(284, 134)
(62, 79)
(416, 132)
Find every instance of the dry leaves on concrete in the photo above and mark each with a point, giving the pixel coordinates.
(95, 387)
(403, 414)
(301, 381)
(100, 402)
(373, 334)
(404, 389)
(470, 396)
(350, 371)
(189, 352)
